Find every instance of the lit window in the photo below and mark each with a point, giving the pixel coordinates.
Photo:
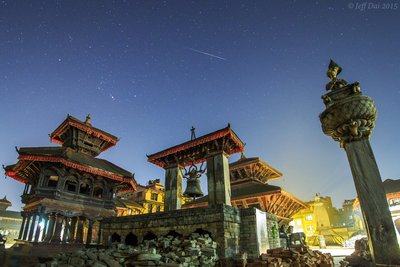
(53, 181)
(309, 218)
(298, 222)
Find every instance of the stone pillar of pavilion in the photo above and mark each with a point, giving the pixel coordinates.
(46, 221)
(38, 228)
(173, 188)
(214, 148)
(21, 230)
(26, 230)
(50, 229)
(66, 230)
(219, 189)
(58, 228)
(32, 227)
(79, 230)
(89, 232)
(71, 232)
(349, 118)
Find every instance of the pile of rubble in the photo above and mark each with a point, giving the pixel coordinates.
(197, 250)
(300, 256)
(361, 255)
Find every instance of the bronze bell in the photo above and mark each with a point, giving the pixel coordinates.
(193, 188)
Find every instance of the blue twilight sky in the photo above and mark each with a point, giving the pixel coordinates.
(147, 71)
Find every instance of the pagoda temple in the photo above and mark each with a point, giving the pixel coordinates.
(68, 190)
(249, 185)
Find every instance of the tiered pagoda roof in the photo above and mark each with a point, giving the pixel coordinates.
(71, 154)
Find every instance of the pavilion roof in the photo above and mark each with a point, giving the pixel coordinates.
(71, 121)
(70, 158)
(252, 168)
(4, 200)
(194, 151)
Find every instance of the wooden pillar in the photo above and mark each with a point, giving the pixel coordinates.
(79, 230)
(21, 229)
(71, 232)
(50, 229)
(66, 230)
(38, 228)
(26, 230)
(57, 230)
(219, 186)
(373, 202)
(32, 228)
(349, 118)
(99, 233)
(173, 188)
(46, 221)
(89, 232)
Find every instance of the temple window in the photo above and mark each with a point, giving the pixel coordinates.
(154, 196)
(150, 208)
(84, 189)
(52, 181)
(70, 186)
(158, 208)
(98, 192)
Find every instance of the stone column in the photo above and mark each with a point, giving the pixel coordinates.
(71, 232)
(21, 229)
(89, 232)
(50, 229)
(32, 228)
(46, 220)
(219, 186)
(66, 230)
(26, 230)
(79, 230)
(173, 188)
(38, 228)
(57, 230)
(349, 118)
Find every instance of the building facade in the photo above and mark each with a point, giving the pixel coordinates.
(10, 221)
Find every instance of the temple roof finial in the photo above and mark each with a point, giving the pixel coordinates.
(193, 136)
(87, 121)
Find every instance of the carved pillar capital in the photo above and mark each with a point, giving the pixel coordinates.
(349, 115)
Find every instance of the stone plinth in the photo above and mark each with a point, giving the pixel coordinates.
(234, 230)
(223, 222)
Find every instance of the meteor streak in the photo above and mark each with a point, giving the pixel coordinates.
(205, 53)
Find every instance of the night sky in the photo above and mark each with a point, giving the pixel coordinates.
(147, 71)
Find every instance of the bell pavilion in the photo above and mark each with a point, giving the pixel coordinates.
(68, 190)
